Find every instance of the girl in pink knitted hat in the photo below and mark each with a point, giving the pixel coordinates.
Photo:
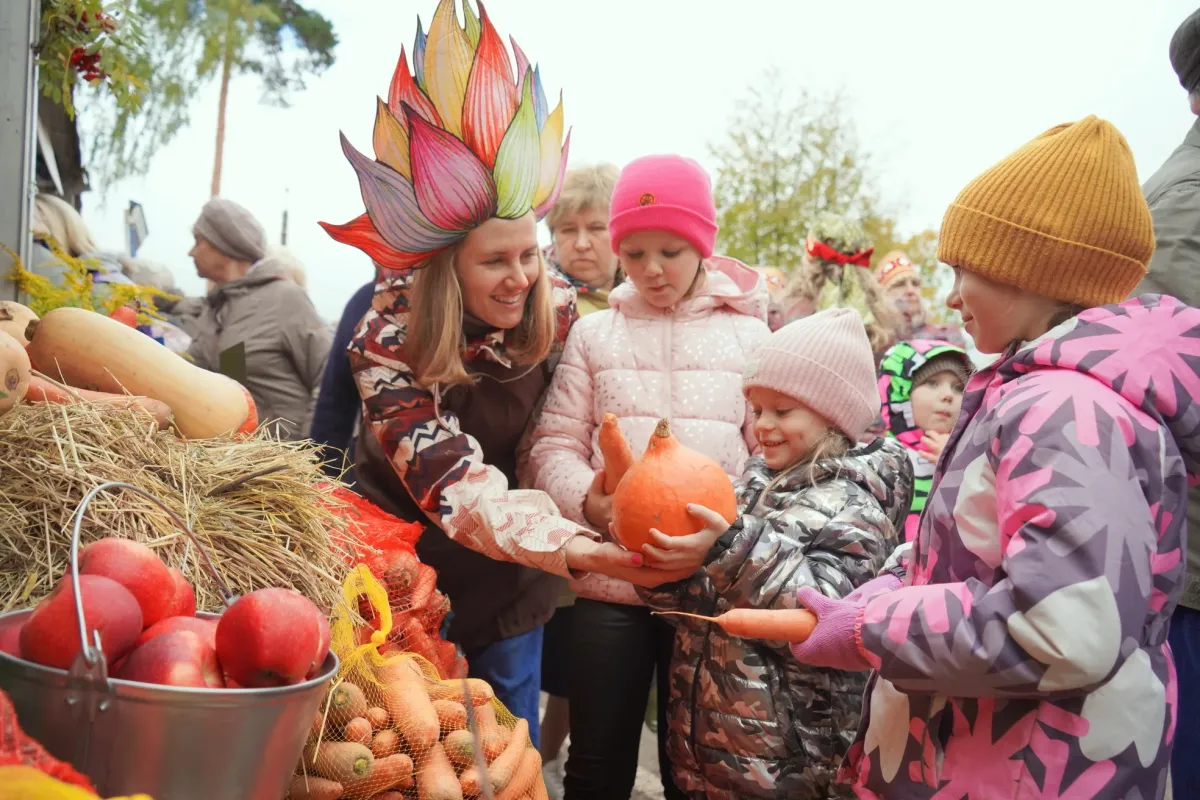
(673, 345)
(745, 719)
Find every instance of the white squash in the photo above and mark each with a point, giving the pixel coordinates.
(14, 373)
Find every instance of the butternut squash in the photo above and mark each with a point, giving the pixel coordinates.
(14, 372)
(90, 351)
(14, 319)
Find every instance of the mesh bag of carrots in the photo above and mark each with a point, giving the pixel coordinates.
(393, 727)
(387, 546)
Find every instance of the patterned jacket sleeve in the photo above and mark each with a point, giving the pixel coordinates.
(1073, 549)
(835, 539)
(443, 468)
(562, 443)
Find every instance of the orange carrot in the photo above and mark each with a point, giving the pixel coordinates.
(411, 709)
(528, 773)
(481, 692)
(423, 587)
(502, 769)
(538, 792)
(42, 390)
(460, 747)
(310, 787)
(451, 715)
(385, 743)
(469, 782)
(437, 780)
(775, 625)
(490, 732)
(616, 453)
(391, 772)
(378, 717)
(358, 730)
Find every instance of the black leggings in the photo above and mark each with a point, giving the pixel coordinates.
(616, 650)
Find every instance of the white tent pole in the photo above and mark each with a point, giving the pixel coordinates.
(19, 21)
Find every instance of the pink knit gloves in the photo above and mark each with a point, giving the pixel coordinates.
(834, 642)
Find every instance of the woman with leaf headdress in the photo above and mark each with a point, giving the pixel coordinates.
(836, 246)
(454, 356)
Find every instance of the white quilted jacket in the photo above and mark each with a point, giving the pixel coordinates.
(644, 364)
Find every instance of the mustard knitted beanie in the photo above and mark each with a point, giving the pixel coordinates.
(1062, 217)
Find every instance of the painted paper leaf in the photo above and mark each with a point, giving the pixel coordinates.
(404, 91)
(448, 57)
(393, 208)
(544, 207)
(491, 95)
(360, 233)
(551, 147)
(540, 106)
(471, 24)
(517, 160)
(390, 140)
(522, 61)
(453, 188)
(419, 56)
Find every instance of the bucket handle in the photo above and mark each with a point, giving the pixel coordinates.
(94, 667)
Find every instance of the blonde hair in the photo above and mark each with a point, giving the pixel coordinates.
(434, 341)
(57, 219)
(583, 188)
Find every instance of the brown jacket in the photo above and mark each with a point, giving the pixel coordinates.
(286, 344)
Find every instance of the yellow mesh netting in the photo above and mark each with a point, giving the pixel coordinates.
(391, 727)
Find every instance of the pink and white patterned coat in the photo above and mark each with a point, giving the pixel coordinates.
(643, 364)
(1026, 656)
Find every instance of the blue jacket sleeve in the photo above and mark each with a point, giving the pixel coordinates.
(338, 403)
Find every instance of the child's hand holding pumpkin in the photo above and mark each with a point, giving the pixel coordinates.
(597, 505)
(686, 553)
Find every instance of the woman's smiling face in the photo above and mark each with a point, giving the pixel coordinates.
(498, 264)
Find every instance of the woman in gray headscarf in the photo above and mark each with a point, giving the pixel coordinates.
(256, 325)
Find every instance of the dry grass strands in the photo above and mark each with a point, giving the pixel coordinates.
(254, 502)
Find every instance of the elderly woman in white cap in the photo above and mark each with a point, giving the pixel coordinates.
(257, 325)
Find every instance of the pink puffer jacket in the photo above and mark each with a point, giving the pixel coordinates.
(643, 364)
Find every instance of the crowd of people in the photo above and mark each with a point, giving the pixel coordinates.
(997, 558)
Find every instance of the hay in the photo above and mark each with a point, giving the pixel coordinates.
(256, 503)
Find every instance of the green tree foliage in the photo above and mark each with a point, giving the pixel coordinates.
(791, 156)
(189, 43)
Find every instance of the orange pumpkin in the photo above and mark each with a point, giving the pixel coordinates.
(657, 489)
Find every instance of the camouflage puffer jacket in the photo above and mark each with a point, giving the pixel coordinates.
(745, 718)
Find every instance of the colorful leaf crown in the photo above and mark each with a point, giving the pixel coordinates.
(459, 142)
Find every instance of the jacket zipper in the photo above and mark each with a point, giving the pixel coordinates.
(670, 363)
(710, 609)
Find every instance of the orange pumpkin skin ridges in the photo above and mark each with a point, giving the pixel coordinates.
(657, 489)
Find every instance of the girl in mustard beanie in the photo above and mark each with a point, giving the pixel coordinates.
(1021, 647)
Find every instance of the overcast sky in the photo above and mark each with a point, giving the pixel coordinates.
(938, 92)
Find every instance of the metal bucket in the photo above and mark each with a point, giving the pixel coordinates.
(169, 742)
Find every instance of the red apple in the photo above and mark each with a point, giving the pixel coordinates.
(50, 636)
(179, 658)
(185, 596)
(138, 569)
(322, 650)
(10, 640)
(206, 629)
(271, 637)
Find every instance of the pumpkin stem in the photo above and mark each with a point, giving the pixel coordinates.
(663, 430)
(30, 329)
